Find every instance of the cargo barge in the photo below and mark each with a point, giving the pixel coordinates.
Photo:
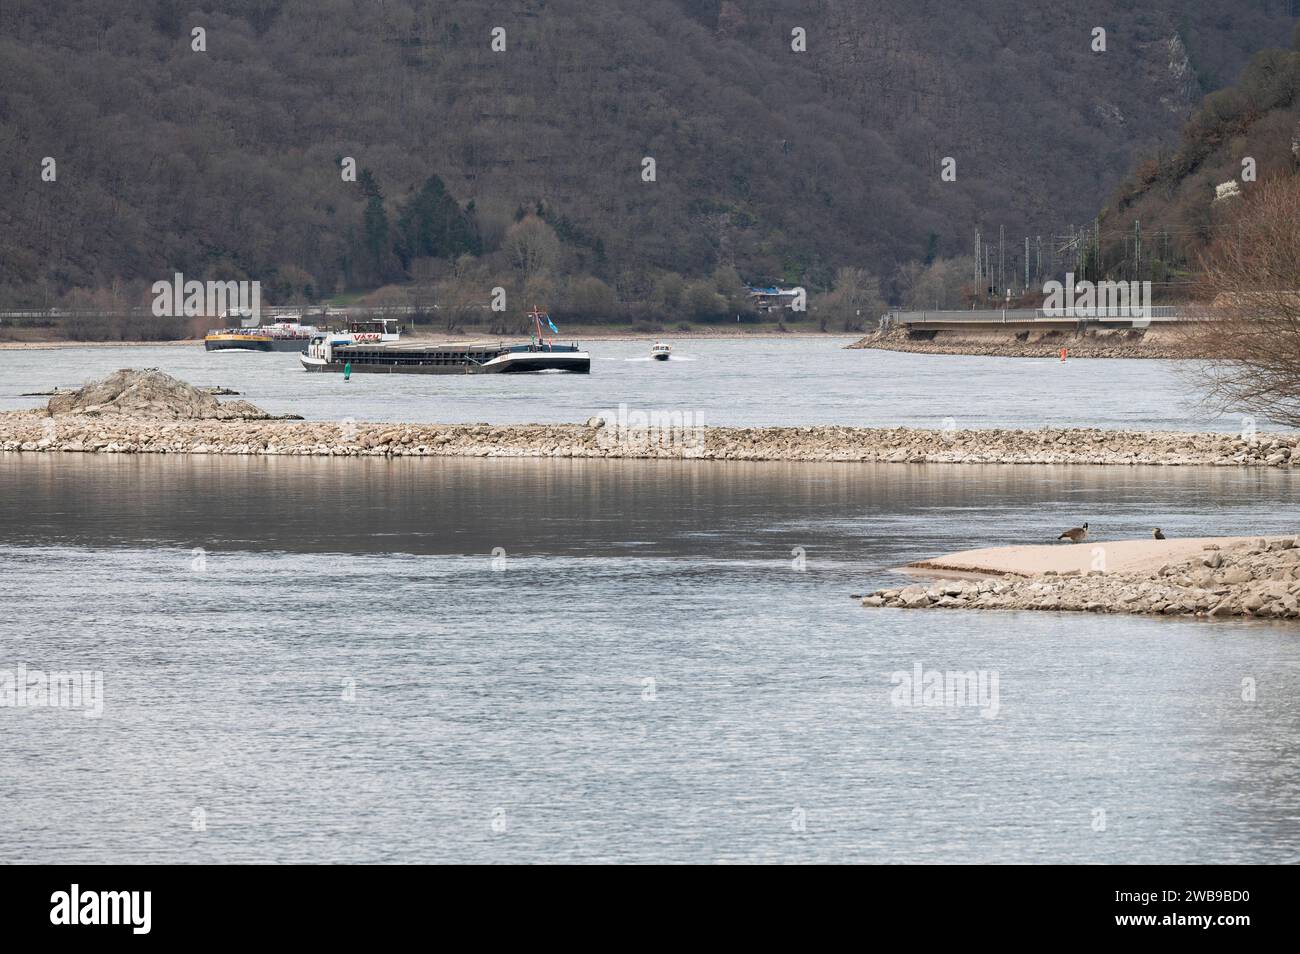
(282, 336)
(331, 352)
(471, 358)
(292, 336)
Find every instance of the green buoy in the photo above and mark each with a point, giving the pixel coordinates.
(347, 370)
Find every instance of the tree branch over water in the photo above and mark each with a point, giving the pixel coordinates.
(1253, 326)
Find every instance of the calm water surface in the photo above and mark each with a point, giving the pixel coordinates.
(326, 659)
(724, 382)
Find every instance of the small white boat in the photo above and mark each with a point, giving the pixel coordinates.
(661, 351)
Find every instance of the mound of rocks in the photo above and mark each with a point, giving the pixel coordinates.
(1259, 578)
(152, 394)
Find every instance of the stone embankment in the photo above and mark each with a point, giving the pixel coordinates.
(139, 412)
(1235, 578)
(122, 433)
(1042, 344)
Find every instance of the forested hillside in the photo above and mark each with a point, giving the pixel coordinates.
(524, 167)
(1181, 197)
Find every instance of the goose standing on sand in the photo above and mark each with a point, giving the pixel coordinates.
(1157, 533)
(1075, 534)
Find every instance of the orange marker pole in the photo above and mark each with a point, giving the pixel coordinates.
(1063, 351)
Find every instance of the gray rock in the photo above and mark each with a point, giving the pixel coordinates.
(1254, 601)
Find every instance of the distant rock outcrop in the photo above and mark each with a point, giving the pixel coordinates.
(1044, 343)
(150, 393)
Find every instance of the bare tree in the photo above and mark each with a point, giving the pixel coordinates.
(532, 246)
(1251, 335)
(855, 301)
(940, 285)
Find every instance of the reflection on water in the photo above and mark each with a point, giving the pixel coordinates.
(864, 514)
(328, 660)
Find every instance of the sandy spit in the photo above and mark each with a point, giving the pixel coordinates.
(1206, 577)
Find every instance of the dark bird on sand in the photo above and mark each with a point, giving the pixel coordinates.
(1075, 534)
(1157, 533)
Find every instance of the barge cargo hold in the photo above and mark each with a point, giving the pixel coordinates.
(470, 358)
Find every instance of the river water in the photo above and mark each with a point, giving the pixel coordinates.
(537, 660)
(721, 382)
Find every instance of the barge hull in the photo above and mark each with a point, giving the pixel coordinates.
(521, 367)
(287, 346)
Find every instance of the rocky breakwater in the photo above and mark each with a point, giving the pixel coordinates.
(1236, 578)
(150, 412)
(1041, 344)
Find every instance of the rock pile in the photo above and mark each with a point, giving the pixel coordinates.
(149, 394)
(1259, 578)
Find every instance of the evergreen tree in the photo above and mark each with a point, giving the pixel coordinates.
(931, 248)
(432, 225)
(376, 237)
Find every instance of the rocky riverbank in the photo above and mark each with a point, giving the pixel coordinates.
(1235, 578)
(150, 412)
(37, 344)
(1042, 344)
